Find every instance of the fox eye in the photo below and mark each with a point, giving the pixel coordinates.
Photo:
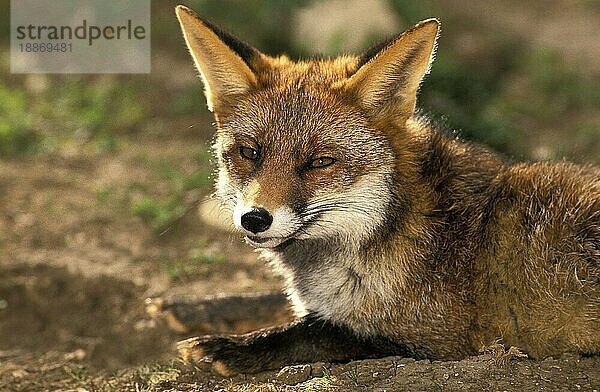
(320, 163)
(249, 153)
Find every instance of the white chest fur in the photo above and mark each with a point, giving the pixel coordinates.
(340, 287)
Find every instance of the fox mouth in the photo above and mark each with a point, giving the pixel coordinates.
(265, 242)
(272, 242)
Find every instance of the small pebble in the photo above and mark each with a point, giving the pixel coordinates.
(20, 373)
(317, 369)
(292, 375)
(77, 355)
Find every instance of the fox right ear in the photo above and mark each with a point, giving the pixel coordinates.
(222, 60)
(389, 75)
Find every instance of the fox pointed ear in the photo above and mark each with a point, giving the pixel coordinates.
(388, 76)
(223, 61)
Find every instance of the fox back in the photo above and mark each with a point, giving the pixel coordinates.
(379, 221)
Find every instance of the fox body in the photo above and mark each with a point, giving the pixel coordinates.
(393, 237)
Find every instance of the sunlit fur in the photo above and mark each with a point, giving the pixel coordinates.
(411, 235)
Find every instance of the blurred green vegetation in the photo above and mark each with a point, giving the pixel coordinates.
(163, 211)
(47, 113)
(198, 260)
(275, 30)
(16, 133)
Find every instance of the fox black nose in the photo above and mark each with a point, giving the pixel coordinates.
(257, 220)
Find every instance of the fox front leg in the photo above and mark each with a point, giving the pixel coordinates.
(308, 339)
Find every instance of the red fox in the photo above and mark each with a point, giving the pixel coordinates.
(393, 237)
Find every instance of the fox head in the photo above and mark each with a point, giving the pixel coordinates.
(309, 149)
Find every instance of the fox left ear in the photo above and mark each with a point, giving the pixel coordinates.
(224, 62)
(388, 76)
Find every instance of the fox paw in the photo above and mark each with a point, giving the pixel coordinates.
(221, 355)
